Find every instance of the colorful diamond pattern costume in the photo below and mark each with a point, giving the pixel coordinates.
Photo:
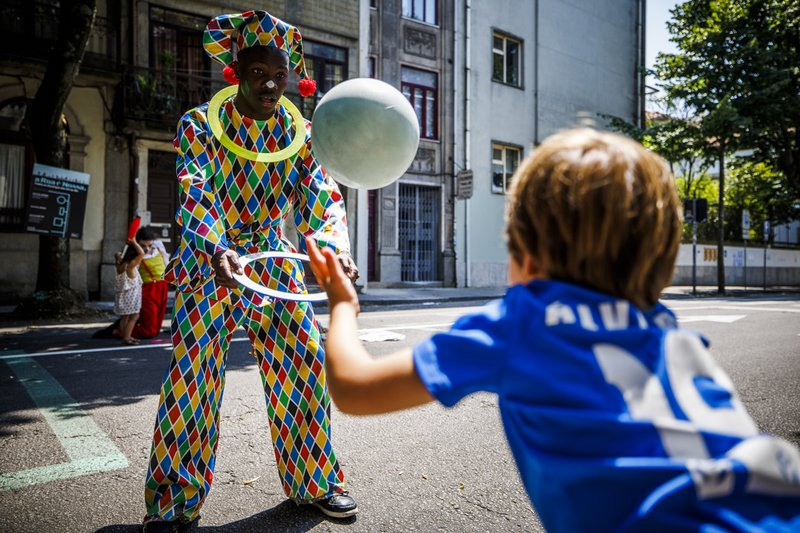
(231, 202)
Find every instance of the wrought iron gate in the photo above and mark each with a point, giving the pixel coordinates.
(419, 233)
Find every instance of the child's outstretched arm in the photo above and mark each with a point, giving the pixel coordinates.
(133, 264)
(359, 384)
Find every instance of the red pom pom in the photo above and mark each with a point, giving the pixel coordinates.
(307, 87)
(229, 73)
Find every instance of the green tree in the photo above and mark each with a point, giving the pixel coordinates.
(678, 139)
(737, 67)
(763, 192)
(47, 127)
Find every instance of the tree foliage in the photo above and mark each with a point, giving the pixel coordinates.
(759, 189)
(678, 139)
(738, 66)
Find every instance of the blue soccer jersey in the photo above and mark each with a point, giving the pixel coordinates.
(618, 419)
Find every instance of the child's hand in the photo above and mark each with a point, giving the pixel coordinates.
(330, 275)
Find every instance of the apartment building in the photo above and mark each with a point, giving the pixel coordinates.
(525, 70)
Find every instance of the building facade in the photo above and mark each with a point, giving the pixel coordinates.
(487, 81)
(410, 222)
(525, 70)
(144, 67)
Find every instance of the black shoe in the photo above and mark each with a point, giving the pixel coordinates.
(337, 505)
(163, 526)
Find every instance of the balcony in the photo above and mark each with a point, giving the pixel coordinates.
(157, 98)
(29, 30)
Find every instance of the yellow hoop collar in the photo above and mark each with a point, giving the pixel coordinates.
(262, 157)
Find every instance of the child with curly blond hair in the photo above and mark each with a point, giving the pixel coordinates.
(618, 419)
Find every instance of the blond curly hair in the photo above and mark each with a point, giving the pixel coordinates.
(599, 210)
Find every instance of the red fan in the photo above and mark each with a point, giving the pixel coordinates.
(132, 229)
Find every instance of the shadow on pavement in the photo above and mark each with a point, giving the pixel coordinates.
(285, 517)
(98, 372)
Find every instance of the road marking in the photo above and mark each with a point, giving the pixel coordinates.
(417, 326)
(88, 447)
(725, 319)
(733, 308)
(164, 345)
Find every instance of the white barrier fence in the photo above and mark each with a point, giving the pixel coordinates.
(743, 266)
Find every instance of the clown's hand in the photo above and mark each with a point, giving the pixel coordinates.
(348, 266)
(225, 264)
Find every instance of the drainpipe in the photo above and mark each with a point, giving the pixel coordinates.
(467, 129)
(640, 73)
(536, 73)
(361, 254)
(456, 123)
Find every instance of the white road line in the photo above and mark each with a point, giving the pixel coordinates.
(725, 319)
(734, 308)
(88, 447)
(164, 345)
(417, 326)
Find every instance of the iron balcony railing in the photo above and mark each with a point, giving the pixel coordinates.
(159, 97)
(29, 30)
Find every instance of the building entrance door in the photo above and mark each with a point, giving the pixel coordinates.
(419, 233)
(162, 196)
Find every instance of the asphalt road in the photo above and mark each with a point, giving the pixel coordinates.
(76, 417)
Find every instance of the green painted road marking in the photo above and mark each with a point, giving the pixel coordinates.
(87, 446)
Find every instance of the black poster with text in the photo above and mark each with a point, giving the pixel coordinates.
(57, 201)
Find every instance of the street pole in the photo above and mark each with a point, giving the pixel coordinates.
(745, 264)
(694, 246)
(766, 245)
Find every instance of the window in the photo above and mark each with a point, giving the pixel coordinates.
(507, 60)
(424, 10)
(325, 64)
(420, 87)
(179, 66)
(16, 162)
(372, 67)
(505, 160)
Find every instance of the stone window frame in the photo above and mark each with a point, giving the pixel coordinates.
(428, 118)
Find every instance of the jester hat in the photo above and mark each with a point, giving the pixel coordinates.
(225, 35)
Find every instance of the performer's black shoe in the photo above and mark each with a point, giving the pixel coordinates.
(163, 526)
(337, 505)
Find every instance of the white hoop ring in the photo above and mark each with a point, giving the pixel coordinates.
(266, 291)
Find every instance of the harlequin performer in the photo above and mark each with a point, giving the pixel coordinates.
(231, 204)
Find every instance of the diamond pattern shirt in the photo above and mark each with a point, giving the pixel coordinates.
(227, 201)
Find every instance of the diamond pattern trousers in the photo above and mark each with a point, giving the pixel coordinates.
(287, 346)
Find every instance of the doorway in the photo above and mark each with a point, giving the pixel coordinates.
(162, 196)
(419, 233)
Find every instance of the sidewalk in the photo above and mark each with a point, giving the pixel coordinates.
(377, 297)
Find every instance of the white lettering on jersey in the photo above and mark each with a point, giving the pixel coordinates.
(614, 315)
(558, 313)
(586, 318)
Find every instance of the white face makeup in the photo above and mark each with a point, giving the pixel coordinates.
(270, 84)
